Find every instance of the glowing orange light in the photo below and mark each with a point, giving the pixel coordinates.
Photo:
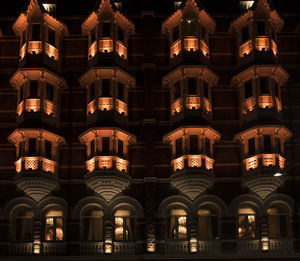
(176, 106)
(22, 51)
(193, 161)
(92, 50)
(204, 48)
(121, 50)
(91, 107)
(248, 105)
(107, 162)
(265, 101)
(207, 104)
(262, 43)
(51, 51)
(267, 160)
(32, 104)
(245, 48)
(193, 102)
(274, 47)
(49, 108)
(121, 107)
(34, 47)
(20, 108)
(105, 103)
(278, 104)
(175, 48)
(106, 45)
(32, 163)
(191, 44)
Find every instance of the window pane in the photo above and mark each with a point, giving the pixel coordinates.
(176, 90)
(92, 148)
(59, 228)
(251, 147)
(205, 89)
(242, 226)
(192, 86)
(194, 144)
(105, 88)
(182, 230)
(106, 30)
(267, 143)
(120, 148)
(178, 149)
(120, 34)
(261, 28)
(120, 91)
(49, 92)
(175, 34)
(283, 225)
(35, 32)
(92, 92)
(33, 88)
(245, 34)
(251, 226)
(190, 28)
(105, 145)
(23, 229)
(207, 147)
(276, 89)
(51, 36)
(31, 147)
(248, 89)
(203, 227)
(48, 149)
(49, 229)
(264, 86)
(273, 233)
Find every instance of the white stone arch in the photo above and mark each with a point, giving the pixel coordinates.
(247, 199)
(19, 202)
(126, 202)
(86, 202)
(51, 202)
(174, 201)
(211, 200)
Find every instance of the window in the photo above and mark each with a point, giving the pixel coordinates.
(48, 149)
(106, 29)
(31, 146)
(192, 86)
(278, 218)
(92, 224)
(22, 225)
(105, 145)
(177, 224)
(267, 143)
(105, 88)
(93, 35)
(21, 93)
(248, 89)
(176, 90)
(21, 148)
(120, 91)
(49, 92)
(194, 144)
(123, 225)
(92, 149)
(178, 147)
(264, 85)
(92, 92)
(190, 28)
(246, 223)
(121, 34)
(36, 28)
(273, 33)
(251, 147)
(34, 88)
(278, 145)
(245, 34)
(276, 89)
(203, 34)
(120, 148)
(175, 34)
(205, 89)
(54, 229)
(51, 36)
(208, 223)
(207, 147)
(261, 28)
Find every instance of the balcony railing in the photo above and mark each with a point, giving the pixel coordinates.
(21, 248)
(23, 51)
(51, 51)
(193, 161)
(248, 105)
(121, 107)
(121, 50)
(106, 45)
(191, 44)
(92, 50)
(248, 246)
(91, 107)
(265, 101)
(91, 248)
(34, 105)
(35, 47)
(207, 105)
(193, 102)
(262, 43)
(209, 248)
(177, 106)
(278, 104)
(204, 48)
(281, 245)
(105, 103)
(266, 160)
(274, 47)
(177, 247)
(34, 163)
(175, 48)
(125, 248)
(107, 162)
(54, 248)
(245, 48)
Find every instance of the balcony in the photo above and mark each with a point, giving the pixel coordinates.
(92, 50)
(106, 163)
(281, 246)
(248, 246)
(17, 249)
(35, 47)
(121, 50)
(261, 44)
(175, 48)
(34, 163)
(51, 51)
(177, 247)
(191, 44)
(105, 104)
(124, 248)
(264, 160)
(245, 48)
(192, 161)
(209, 248)
(53, 248)
(106, 45)
(177, 106)
(91, 248)
(192, 102)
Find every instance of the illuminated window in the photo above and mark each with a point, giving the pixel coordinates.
(246, 223)
(92, 224)
(278, 217)
(54, 227)
(177, 224)
(22, 225)
(123, 225)
(208, 222)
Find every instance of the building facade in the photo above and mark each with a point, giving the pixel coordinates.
(146, 130)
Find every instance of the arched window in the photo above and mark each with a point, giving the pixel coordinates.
(278, 218)
(208, 223)
(54, 224)
(92, 224)
(22, 225)
(123, 225)
(178, 224)
(246, 223)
